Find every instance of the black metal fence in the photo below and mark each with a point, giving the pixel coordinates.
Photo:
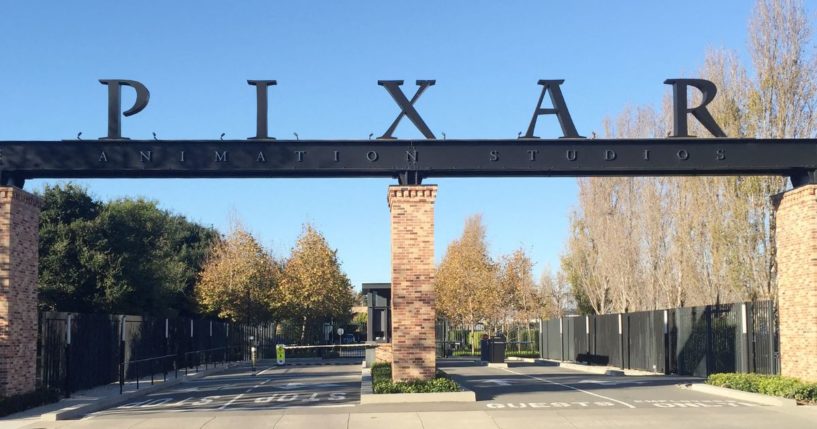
(80, 351)
(453, 340)
(740, 337)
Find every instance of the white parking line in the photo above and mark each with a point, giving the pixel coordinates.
(570, 387)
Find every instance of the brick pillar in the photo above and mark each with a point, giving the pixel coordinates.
(19, 232)
(412, 274)
(797, 281)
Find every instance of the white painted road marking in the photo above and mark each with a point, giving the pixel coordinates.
(262, 372)
(609, 382)
(694, 403)
(310, 397)
(231, 401)
(570, 387)
(291, 386)
(497, 381)
(516, 405)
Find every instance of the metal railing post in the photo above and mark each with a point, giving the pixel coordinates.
(67, 386)
(744, 339)
(621, 341)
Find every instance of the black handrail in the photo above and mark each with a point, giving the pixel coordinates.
(136, 363)
(207, 353)
(174, 358)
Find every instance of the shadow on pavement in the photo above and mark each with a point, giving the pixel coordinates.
(545, 377)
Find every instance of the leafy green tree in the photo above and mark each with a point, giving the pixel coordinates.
(124, 256)
(66, 280)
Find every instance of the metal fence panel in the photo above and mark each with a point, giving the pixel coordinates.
(689, 341)
(763, 338)
(554, 339)
(644, 345)
(606, 347)
(725, 329)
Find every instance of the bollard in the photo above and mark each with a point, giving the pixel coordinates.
(252, 356)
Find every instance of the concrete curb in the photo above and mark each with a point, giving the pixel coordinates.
(740, 395)
(80, 410)
(601, 370)
(367, 395)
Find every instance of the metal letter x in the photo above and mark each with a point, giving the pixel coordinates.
(406, 106)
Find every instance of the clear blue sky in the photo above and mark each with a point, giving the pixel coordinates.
(195, 57)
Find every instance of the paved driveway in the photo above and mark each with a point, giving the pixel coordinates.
(526, 397)
(313, 386)
(537, 386)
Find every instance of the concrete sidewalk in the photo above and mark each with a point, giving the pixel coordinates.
(90, 400)
(790, 418)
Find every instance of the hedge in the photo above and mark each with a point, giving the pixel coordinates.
(382, 382)
(17, 403)
(774, 385)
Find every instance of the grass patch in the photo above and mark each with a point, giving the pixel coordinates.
(382, 383)
(774, 385)
(17, 403)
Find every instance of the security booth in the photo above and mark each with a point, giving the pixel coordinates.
(378, 299)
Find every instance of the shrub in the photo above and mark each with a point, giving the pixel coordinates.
(775, 385)
(17, 403)
(382, 382)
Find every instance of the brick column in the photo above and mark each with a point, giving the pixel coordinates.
(412, 274)
(19, 232)
(797, 281)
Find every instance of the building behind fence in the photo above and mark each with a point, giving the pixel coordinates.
(740, 337)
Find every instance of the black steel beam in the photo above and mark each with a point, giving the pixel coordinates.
(408, 160)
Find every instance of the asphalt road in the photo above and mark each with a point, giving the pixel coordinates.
(269, 387)
(551, 387)
(327, 396)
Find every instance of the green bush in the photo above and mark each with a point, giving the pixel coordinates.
(17, 403)
(382, 382)
(775, 385)
(516, 353)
